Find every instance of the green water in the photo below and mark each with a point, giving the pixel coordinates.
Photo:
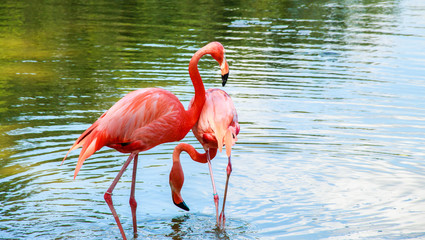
(329, 96)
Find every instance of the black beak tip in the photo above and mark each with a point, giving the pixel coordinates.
(182, 205)
(224, 78)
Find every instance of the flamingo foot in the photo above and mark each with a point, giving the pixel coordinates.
(221, 220)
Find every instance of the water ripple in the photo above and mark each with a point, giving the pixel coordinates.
(329, 101)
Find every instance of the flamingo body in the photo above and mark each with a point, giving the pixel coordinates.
(217, 125)
(144, 119)
(127, 127)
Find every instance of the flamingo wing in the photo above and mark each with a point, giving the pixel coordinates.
(137, 122)
(140, 111)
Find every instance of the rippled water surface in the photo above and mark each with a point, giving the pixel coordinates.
(330, 97)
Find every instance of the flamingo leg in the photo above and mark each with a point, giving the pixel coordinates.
(108, 193)
(222, 217)
(213, 184)
(133, 203)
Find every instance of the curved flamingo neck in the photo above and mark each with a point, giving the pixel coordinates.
(194, 111)
(195, 155)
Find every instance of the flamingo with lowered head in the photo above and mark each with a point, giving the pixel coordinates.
(217, 125)
(144, 119)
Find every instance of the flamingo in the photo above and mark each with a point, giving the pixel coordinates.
(144, 119)
(217, 124)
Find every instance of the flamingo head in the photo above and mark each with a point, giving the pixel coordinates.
(176, 184)
(218, 53)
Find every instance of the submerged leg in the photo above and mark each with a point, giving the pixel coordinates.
(222, 219)
(108, 194)
(213, 185)
(133, 203)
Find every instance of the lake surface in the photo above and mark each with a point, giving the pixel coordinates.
(330, 97)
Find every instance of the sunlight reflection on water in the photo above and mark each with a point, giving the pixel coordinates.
(329, 101)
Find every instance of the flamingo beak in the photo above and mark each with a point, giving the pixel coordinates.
(224, 71)
(224, 79)
(178, 201)
(182, 205)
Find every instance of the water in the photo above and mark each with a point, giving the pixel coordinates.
(329, 96)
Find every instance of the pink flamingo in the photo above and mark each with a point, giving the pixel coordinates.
(217, 124)
(143, 119)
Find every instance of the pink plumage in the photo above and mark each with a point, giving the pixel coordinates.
(144, 119)
(127, 128)
(218, 123)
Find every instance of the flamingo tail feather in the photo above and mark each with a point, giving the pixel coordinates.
(91, 140)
